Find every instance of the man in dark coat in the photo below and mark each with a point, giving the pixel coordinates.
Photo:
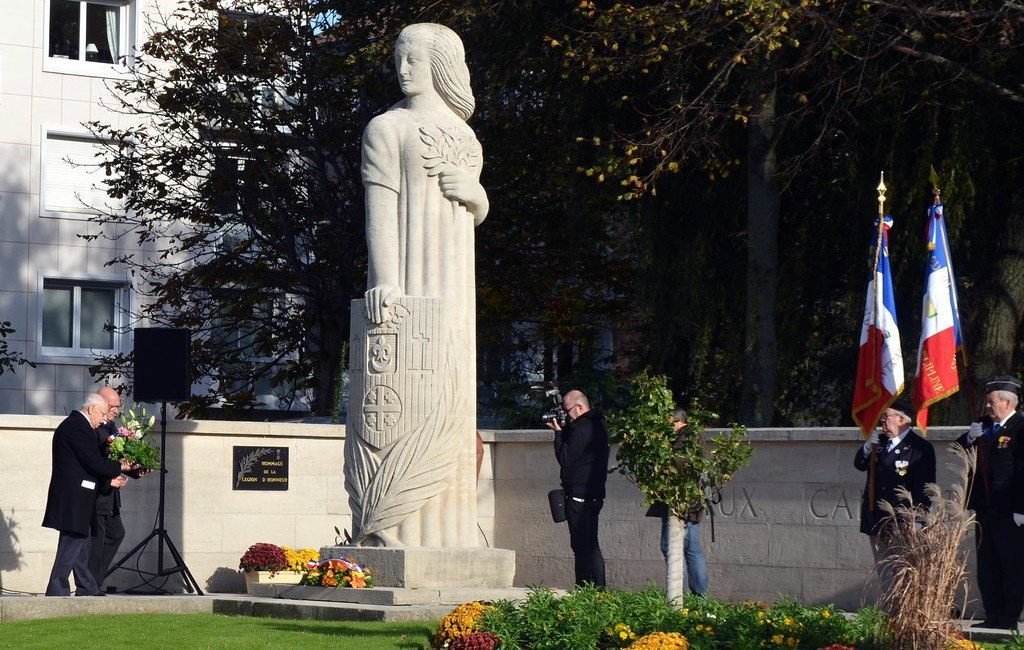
(903, 459)
(108, 530)
(997, 499)
(78, 469)
(582, 452)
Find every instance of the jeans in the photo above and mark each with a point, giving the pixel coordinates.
(696, 567)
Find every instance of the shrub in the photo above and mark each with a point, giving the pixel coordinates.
(474, 641)
(462, 621)
(661, 641)
(263, 557)
(605, 619)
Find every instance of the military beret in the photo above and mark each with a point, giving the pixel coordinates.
(904, 407)
(1003, 382)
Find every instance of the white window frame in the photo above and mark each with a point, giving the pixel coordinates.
(130, 22)
(77, 355)
(60, 131)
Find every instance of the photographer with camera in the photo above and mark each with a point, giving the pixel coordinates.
(581, 447)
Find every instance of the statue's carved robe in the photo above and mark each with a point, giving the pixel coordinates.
(401, 151)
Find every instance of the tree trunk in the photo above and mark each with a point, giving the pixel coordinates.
(760, 349)
(999, 310)
(675, 562)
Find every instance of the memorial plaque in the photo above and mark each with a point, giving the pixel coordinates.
(260, 468)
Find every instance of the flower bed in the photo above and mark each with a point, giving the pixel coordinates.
(593, 618)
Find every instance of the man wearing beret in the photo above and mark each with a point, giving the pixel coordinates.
(903, 459)
(997, 499)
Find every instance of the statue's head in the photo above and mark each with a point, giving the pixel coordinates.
(430, 58)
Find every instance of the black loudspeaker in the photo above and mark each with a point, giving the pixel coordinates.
(163, 364)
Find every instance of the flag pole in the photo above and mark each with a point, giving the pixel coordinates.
(874, 279)
(972, 401)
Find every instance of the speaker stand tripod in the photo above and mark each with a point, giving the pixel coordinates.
(159, 532)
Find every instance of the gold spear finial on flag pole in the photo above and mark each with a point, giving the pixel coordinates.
(933, 176)
(881, 195)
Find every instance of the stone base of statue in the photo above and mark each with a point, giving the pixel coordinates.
(413, 579)
(391, 599)
(432, 568)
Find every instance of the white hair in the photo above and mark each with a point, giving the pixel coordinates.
(93, 400)
(1008, 395)
(447, 65)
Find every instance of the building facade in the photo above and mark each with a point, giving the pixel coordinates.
(57, 290)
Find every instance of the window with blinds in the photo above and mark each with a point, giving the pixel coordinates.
(80, 318)
(72, 180)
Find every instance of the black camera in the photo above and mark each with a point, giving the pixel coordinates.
(557, 413)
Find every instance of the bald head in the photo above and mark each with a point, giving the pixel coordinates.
(112, 400)
(575, 403)
(109, 394)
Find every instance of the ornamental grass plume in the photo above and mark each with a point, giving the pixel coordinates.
(928, 564)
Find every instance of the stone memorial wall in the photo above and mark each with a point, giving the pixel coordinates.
(787, 525)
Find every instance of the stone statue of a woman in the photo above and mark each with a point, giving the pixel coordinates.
(410, 445)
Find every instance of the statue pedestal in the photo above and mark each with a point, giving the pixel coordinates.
(432, 568)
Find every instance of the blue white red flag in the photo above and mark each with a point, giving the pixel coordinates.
(937, 376)
(880, 361)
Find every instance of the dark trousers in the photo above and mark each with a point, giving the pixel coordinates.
(72, 557)
(582, 519)
(106, 539)
(1000, 545)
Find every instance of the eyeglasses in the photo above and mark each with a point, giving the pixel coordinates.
(568, 409)
(887, 416)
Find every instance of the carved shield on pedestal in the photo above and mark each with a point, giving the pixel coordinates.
(394, 369)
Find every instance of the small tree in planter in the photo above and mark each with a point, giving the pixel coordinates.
(676, 469)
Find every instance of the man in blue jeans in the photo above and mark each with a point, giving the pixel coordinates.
(696, 567)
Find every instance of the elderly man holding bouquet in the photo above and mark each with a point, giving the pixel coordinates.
(108, 530)
(79, 469)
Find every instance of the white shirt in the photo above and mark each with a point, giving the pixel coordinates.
(895, 442)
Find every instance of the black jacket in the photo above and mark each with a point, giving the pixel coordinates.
(108, 499)
(919, 456)
(78, 470)
(999, 484)
(582, 451)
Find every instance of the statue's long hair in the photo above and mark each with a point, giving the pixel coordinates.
(447, 65)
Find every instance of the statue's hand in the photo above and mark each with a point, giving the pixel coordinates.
(457, 184)
(378, 299)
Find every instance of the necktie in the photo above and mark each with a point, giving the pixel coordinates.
(996, 428)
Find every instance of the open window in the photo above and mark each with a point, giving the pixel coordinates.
(88, 37)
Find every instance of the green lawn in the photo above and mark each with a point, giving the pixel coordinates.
(131, 631)
(209, 631)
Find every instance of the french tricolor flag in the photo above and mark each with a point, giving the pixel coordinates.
(937, 376)
(880, 362)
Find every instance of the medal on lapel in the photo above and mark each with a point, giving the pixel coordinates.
(902, 466)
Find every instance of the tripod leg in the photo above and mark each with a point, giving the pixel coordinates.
(190, 580)
(138, 547)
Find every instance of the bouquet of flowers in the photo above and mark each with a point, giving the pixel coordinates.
(337, 573)
(263, 557)
(128, 444)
